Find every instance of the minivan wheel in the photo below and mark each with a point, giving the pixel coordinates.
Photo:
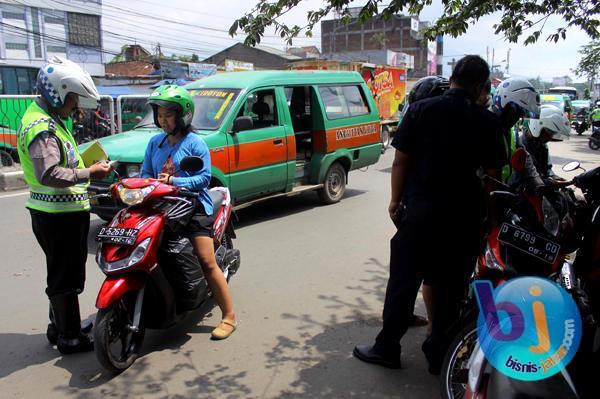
(334, 185)
(385, 138)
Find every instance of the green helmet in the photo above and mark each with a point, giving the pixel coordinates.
(176, 98)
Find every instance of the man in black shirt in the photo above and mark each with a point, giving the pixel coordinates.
(441, 144)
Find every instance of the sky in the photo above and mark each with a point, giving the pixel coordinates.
(176, 27)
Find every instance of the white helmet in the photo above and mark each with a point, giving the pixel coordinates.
(60, 77)
(554, 121)
(521, 93)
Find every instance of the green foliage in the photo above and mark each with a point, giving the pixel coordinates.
(519, 18)
(589, 65)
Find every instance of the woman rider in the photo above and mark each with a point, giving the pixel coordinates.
(173, 109)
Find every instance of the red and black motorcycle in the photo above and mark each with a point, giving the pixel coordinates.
(532, 236)
(153, 278)
(469, 375)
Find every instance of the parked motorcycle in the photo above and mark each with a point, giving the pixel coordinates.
(507, 253)
(91, 126)
(581, 278)
(594, 141)
(153, 278)
(580, 123)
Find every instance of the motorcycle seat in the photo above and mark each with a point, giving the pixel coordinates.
(217, 199)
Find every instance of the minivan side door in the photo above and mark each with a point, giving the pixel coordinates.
(258, 157)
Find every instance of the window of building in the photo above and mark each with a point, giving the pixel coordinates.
(13, 12)
(17, 80)
(54, 20)
(35, 25)
(56, 49)
(15, 39)
(84, 29)
(343, 101)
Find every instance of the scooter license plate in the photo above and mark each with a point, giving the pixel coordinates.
(118, 235)
(528, 242)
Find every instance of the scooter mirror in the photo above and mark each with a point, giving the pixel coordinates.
(571, 166)
(191, 164)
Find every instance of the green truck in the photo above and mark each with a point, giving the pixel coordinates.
(270, 133)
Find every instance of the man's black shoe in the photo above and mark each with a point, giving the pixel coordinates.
(366, 353)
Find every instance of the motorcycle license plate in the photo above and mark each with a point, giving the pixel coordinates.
(529, 243)
(117, 235)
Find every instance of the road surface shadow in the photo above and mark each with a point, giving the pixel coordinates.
(20, 351)
(322, 352)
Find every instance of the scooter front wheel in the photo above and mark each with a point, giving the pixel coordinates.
(455, 372)
(116, 342)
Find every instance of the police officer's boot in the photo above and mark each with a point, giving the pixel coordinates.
(68, 322)
(52, 331)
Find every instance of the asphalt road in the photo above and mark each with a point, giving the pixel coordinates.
(311, 286)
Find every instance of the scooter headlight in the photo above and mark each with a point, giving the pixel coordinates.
(136, 256)
(134, 196)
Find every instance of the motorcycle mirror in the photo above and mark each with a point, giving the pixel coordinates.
(518, 160)
(191, 164)
(571, 166)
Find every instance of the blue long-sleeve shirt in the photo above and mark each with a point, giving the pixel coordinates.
(158, 152)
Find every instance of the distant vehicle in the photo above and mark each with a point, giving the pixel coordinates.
(561, 102)
(566, 90)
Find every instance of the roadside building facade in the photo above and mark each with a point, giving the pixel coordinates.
(400, 34)
(31, 33)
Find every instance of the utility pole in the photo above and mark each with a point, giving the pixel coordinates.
(508, 62)
(452, 63)
(487, 54)
(493, 55)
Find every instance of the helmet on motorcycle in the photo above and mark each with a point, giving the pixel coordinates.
(176, 98)
(553, 121)
(429, 86)
(60, 77)
(519, 92)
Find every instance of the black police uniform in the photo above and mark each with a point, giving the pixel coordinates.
(448, 139)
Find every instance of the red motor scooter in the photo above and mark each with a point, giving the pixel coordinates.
(153, 276)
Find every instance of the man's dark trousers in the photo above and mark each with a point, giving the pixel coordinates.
(418, 251)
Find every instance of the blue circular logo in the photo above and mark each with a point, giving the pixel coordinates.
(529, 328)
(50, 69)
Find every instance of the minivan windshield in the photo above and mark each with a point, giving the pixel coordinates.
(212, 106)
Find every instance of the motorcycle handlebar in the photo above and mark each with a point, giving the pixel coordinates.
(188, 194)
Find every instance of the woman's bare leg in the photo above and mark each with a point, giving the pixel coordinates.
(204, 249)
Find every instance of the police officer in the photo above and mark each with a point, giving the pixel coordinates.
(440, 145)
(58, 200)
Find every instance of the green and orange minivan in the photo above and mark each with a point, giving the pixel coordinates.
(270, 133)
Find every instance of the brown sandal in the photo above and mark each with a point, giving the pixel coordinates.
(220, 333)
